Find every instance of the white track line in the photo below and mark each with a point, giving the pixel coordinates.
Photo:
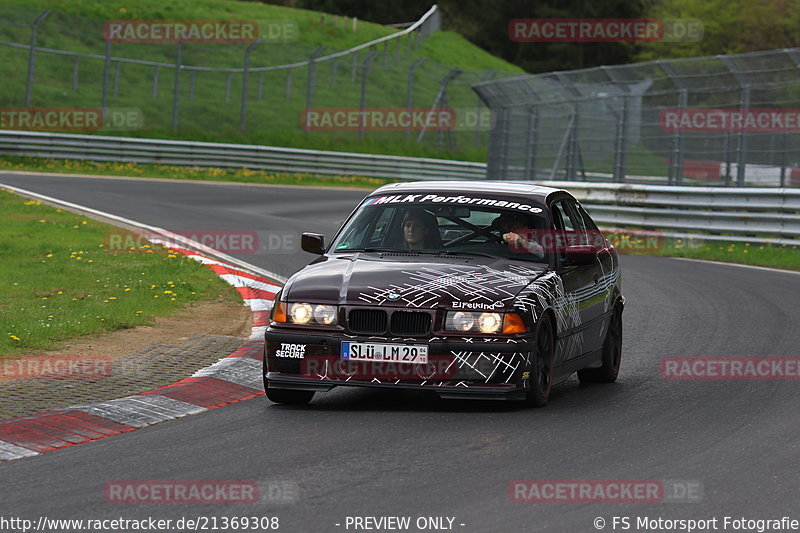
(754, 267)
(173, 237)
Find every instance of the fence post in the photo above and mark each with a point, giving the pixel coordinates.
(228, 87)
(312, 76)
(532, 142)
(288, 93)
(106, 73)
(155, 82)
(245, 80)
(410, 90)
(486, 77)
(353, 69)
(176, 85)
(32, 55)
(116, 78)
(744, 106)
(441, 94)
(365, 68)
(334, 71)
(260, 84)
(75, 67)
(619, 143)
(676, 155)
(191, 85)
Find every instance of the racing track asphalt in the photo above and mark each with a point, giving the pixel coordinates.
(370, 453)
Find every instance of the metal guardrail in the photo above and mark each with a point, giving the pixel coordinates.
(716, 214)
(703, 213)
(276, 159)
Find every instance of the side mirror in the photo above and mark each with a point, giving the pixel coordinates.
(313, 243)
(580, 254)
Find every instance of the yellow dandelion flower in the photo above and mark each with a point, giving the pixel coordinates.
(14, 337)
(127, 289)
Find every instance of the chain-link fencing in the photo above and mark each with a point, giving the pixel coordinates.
(722, 120)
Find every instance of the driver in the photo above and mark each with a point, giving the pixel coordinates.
(516, 234)
(420, 230)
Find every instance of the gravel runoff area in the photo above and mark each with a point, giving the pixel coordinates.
(153, 366)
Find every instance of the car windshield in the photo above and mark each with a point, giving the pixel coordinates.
(491, 227)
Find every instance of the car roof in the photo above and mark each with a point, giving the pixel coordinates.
(474, 186)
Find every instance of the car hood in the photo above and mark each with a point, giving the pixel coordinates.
(412, 280)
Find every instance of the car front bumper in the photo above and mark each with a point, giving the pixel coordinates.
(479, 368)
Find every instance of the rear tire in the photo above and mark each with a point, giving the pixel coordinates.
(541, 365)
(612, 354)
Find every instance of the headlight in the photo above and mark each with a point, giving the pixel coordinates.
(304, 313)
(489, 322)
(301, 313)
(325, 314)
(460, 321)
(483, 322)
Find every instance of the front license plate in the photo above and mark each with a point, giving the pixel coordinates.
(396, 353)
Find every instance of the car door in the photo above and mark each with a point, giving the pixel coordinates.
(582, 282)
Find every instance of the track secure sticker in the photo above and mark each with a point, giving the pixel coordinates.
(291, 351)
(436, 199)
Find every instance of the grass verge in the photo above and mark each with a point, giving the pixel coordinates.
(758, 254)
(243, 175)
(59, 282)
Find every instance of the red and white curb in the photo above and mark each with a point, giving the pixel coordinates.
(232, 379)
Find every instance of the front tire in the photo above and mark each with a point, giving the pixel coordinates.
(612, 354)
(540, 367)
(290, 397)
(284, 396)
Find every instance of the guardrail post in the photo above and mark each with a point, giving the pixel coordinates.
(410, 90)
(32, 55)
(312, 75)
(365, 68)
(245, 80)
(176, 85)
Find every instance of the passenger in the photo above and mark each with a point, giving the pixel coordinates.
(420, 230)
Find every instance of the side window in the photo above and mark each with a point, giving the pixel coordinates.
(380, 228)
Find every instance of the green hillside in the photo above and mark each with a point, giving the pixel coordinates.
(210, 103)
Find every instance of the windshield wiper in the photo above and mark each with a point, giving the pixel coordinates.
(461, 252)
